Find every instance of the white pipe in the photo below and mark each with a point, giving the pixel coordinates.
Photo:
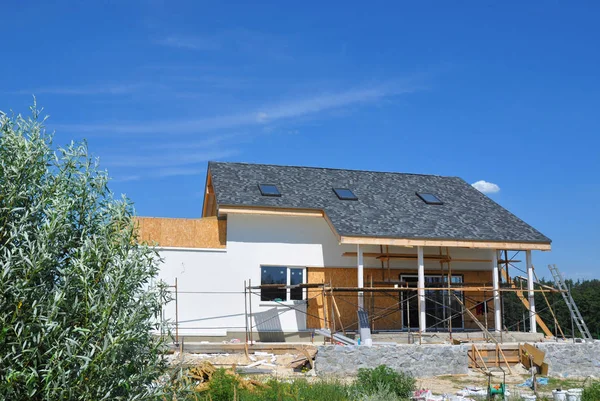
(361, 281)
(532, 321)
(421, 291)
(496, 285)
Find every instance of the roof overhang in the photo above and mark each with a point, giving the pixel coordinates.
(410, 242)
(404, 242)
(225, 210)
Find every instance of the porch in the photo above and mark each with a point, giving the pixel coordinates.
(418, 289)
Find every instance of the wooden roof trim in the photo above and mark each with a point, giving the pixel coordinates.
(516, 246)
(209, 195)
(224, 210)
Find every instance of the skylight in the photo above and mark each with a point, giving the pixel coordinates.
(430, 199)
(269, 190)
(345, 194)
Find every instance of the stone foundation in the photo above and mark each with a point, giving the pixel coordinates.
(572, 360)
(418, 360)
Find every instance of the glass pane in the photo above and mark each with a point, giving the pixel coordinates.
(429, 198)
(296, 277)
(345, 194)
(269, 190)
(273, 275)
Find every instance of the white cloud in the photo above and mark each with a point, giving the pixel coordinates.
(107, 89)
(262, 117)
(302, 107)
(166, 159)
(486, 187)
(127, 178)
(207, 43)
(176, 172)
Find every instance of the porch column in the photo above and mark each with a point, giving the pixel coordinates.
(421, 291)
(361, 283)
(496, 284)
(532, 320)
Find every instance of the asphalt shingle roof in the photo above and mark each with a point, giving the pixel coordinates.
(387, 204)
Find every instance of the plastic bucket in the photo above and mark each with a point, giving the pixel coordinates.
(559, 395)
(574, 394)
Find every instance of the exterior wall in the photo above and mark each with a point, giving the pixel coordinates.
(211, 281)
(384, 304)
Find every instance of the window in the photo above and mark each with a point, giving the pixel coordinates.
(430, 199)
(269, 190)
(344, 194)
(296, 277)
(440, 306)
(284, 276)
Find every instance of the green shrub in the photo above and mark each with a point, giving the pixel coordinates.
(223, 386)
(370, 381)
(227, 387)
(76, 305)
(383, 393)
(329, 390)
(591, 393)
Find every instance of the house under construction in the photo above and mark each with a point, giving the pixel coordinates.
(283, 251)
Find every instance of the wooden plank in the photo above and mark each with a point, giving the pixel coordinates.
(480, 356)
(505, 360)
(400, 289)
(409, 256)
(517, 246)
(270, 211)
(544, 369)
(537, 354)
(337, 311)
(525, 302)
(550, 308)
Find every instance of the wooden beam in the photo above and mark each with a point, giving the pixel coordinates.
(207, 193)
(408, 256)
(525, 302)
(449, 243)
(394, 289)
(224, 210)
(552, 289)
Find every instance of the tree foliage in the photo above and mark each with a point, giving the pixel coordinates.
(77, 301)
(586, 295)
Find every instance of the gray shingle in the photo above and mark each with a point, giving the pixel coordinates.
(387, 204)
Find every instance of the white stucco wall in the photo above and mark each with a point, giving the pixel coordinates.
(211, 282)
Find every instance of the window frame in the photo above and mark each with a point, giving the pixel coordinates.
(288, 300)
(263, 193)
(422, 196)
(341, 197)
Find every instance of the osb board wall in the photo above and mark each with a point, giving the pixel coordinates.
(383, 303)
(207, 232)
(473, 298)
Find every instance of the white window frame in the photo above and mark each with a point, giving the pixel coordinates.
(288, 291)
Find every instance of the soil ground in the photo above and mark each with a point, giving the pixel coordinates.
(279, 366)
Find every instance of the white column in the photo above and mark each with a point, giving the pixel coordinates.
(361, 281)
(496, 284)
(421, 291)
(532, 321)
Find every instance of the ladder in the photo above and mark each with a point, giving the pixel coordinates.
(573, 309)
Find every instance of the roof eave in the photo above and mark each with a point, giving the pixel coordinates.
(454, 243)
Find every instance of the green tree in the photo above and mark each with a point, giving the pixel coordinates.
(77, 299)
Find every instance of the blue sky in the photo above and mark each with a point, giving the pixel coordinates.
(504, 92)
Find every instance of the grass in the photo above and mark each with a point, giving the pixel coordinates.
(591, 393)
(379, 384)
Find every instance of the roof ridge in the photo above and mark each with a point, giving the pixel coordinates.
(331, 168)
